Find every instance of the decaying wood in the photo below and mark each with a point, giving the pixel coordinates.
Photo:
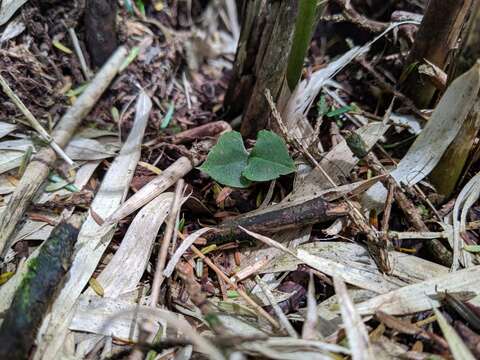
(280, 217)
(254, 14)
(436, 38)
(35, 293)
(37, 171)
(271, 65)
(101, 29)
(208, 130)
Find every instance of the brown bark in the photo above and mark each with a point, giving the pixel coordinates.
(253, 22)
(101, 29)
(470, 50)
(436, 38)
(271, 65)
(280, 217)
(261, 61)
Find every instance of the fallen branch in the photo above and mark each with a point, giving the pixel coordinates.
(208, 130)
(162, 182)
(34, 295)
(354, 17)
(280, 217)
(37, 171)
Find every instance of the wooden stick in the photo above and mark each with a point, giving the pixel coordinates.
(78, 50)
(162, 254)
(280, 217)
(162, 182)
(202, 131)
(37, 171)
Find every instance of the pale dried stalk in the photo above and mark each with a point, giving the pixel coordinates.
(37, 171)
(356, 331)
(32, 120)
(309, 331)
(162, 182)
(278, 311)
(246, 272)
(162, 254)
(78, 50)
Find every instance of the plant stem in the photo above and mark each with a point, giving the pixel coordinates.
(436, 38)
(304, 28)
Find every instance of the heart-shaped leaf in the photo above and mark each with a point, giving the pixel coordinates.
(269, 158)
(226, 161)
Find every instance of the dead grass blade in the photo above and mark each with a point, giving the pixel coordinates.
(356, 332)
(93, 238)
(421, 296)
(457, 346)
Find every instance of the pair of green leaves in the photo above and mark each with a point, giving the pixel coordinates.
(230, 164)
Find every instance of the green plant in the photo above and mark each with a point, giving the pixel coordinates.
(304, 27)
(230, 164)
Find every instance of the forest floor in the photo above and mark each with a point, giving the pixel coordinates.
(306, 265)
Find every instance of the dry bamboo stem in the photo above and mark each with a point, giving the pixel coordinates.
(169, 232)
(37, 171)
(278, 310)
(33, 121)
(162, 182)
(78, 50)
(270, 65)
(436, 38)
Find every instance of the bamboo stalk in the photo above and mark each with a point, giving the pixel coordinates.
(448, 171)
(254, 13)
(470, 50)
(437, 37)
(271, 65)
(304, 28)
(37, 171)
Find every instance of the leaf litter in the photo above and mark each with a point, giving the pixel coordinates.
(265, 258)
